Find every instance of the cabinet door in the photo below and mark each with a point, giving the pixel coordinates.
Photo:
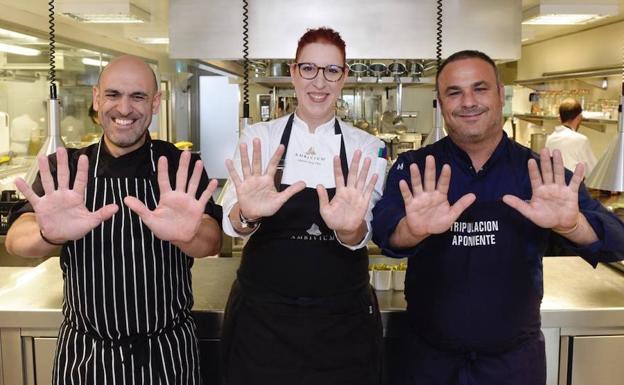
(597, 360)
(44, 359)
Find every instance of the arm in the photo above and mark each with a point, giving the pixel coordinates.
(180, 216)
(207, 239)
(363, 234)
(426, 209)
(23, 238)
(60, 213)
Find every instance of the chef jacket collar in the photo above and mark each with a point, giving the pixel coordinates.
(327, 127)
(462, 159)
(138, 160)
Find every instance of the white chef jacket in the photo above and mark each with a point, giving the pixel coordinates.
(270, 135)
(574, 148)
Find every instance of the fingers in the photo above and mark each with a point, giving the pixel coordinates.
(275, 159)
(415, 179)
(518, 204)
(163, 175)
(323, 197)
(405, 191)
(462, 204)
(291, 190)
(244, 155)
(534, 175)
(81, 175)
(558, 169)
(62, 169)
(546, 166)
(182, 173)
(193, 183)
(353, 169)
(445, 179)
(577, 177)
(205, 196)
(44, 173)
(338, 177)
(25, 189)
(137, 206)
(229, 164)
(370, 187)
(363, 174)
(106, 212)
(430, 173)
(257, 157)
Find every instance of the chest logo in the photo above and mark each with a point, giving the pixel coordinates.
(314, 230)
(400, 166)
(311, 151)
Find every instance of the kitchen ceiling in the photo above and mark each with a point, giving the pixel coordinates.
(158, 26)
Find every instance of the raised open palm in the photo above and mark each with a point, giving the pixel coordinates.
(61, 212)
(427, 209)
(554, 204)
(256, 193)
(179, 213)
(348, 207)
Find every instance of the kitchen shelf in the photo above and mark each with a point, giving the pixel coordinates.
(596, 124)
(384, 81)
(586, 73)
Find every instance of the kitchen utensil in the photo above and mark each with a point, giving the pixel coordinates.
(378, 70)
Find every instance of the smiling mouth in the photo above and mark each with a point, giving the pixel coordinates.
(124, 122)
(318, 97)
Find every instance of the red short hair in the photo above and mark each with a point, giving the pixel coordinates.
(322, 35)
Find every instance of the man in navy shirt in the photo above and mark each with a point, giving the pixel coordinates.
(476, 241)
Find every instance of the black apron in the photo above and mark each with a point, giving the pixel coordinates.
(127, 296)
(301, 310)
(474, 303)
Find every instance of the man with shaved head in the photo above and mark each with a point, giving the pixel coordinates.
(129, 226)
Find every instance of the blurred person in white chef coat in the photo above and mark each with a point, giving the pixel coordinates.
(574, 146)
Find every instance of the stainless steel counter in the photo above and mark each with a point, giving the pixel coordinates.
(576, 295)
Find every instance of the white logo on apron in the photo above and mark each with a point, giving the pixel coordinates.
(314, 230)
(310, 157)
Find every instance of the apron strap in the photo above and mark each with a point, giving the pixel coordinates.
(286, 138)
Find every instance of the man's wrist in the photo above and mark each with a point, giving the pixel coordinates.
(49, 241)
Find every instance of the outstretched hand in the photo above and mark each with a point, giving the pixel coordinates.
(554, 204)
(347, 209)
(427, 209)
(61, 212)
(256, 193)
(178, 214)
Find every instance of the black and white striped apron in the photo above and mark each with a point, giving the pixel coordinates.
(127, 297)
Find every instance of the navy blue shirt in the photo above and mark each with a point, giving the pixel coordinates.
(478, 286)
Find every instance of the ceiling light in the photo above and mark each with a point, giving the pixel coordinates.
(110, 12)
(18, 50)
(94, 62)
(151, 40)
(567, 14)
(15, 35)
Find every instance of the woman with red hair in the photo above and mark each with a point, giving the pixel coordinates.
(301, 310)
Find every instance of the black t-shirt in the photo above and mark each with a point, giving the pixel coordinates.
(137, 164)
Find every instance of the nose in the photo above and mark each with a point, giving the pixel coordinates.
(469, 99)
(124, 106)
(319, 81)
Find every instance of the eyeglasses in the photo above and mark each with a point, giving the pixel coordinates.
(331, 73)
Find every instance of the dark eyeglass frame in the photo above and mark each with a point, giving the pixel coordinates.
(342, 69)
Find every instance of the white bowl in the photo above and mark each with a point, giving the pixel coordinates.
(382, 279)
(398, 280)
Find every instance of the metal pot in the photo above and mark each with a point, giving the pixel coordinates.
(279, 68)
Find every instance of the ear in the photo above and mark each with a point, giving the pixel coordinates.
(95, 97)
(156, 103)
(501, 93)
